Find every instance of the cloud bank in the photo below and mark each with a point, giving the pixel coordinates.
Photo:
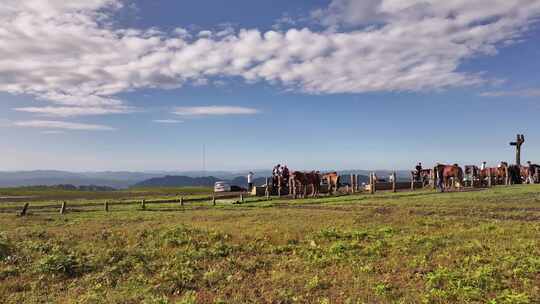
(214, 110)
(515, 93)
(51, 124)
(70, 56)
(168, 121)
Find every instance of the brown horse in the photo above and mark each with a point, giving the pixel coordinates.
(298, 184)
(314, 179)
(525, 174)
(449, 176)
(332, 179)
(498, 174)
(514, 175)
(534, 171)
(424, 176)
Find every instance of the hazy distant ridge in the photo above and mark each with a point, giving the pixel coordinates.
(125, 179)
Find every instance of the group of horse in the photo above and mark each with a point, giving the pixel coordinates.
(453, 176)
(300, 184)
(444, 176)
(505, 174)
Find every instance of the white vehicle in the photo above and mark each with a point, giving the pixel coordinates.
(222, 187)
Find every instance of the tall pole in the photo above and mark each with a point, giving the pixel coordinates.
(520, 139)
(204, 159)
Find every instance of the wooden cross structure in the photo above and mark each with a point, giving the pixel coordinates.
(519, 141)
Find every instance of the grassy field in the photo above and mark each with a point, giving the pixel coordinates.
(419, 247)
(38, 194)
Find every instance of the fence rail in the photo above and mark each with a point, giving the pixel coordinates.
(64, 206)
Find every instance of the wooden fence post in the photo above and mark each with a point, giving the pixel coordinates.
(214, 199)
(412, 181)
(394, 188)
(279, 186)
(241, 197)
(267, 190)
(507, 180)
(292, 188)
(371, 183)
(353, 184)
(63, 208)
(106, 206)
(143, 204)
(24, 209)
(181, 201)
(433, 176)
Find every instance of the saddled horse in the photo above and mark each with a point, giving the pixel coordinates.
(514, 175)
(314, 180)
(497, 174)
(298, 184)
(529, 174)
(301, 181)
(449, 176)
(534, 171)
(423, 176)
(472, 173)
(525, 174)
(333, 181)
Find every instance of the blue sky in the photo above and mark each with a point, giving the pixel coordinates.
(143, 85)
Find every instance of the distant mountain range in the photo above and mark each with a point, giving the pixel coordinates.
(124, 179)
(186, 181)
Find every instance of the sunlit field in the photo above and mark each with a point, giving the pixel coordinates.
(409, 247)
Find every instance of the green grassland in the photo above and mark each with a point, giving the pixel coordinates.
(41, 193)
(409, 247)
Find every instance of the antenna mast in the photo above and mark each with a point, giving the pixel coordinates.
(204, 160)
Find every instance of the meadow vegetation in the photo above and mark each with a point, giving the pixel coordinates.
(44, 193)
(409, 247)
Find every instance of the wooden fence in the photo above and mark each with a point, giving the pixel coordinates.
(374, 185)
(64, 207)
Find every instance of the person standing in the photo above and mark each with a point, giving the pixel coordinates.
(275, 175)
(418, 171)
(483, 166)
(439, 171)
(250, 181)
(530, 173)
(285, 173)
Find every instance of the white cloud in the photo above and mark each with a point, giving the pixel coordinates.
(214, 110)
(53, 132)
(69, 54)
(350, 12)
(516, 93)
(51, 124)
(74, 111)
(168, 121)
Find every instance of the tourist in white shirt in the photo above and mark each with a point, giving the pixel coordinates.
(250, 181)
(483, 166)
